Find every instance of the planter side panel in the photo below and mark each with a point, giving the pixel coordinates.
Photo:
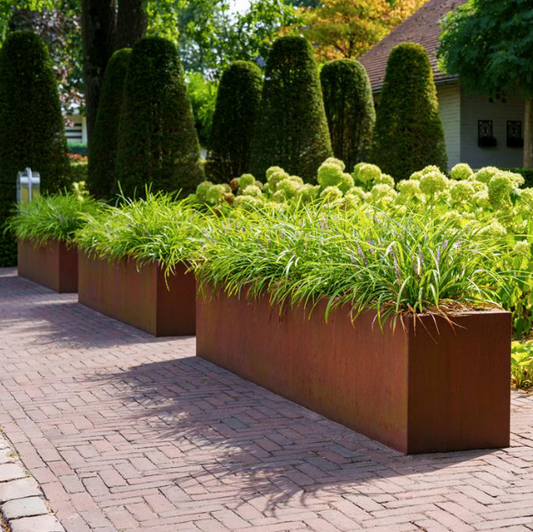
(352, 374)
(176, 303)
(459, 387)
(117, 289)
(52, 265)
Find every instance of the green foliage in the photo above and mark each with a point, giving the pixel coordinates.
(488, 44)
(103, 143)
(212, 34)
(396, 265)
(349, 108)
(77, 148)
(408, 133)
(79, 172)
(235, 121)
(293, 131)
(157, 228)
(157, 140)
(522, 364)
(31, 125)
(202, 94)
(52, 217)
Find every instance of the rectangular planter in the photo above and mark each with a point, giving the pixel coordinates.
(139, 295)
(53, 264)
(419, 390)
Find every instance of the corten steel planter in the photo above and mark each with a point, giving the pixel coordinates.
(417, 390)
(139, 295)
(53, 264)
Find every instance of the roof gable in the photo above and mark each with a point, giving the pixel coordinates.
(423, 28)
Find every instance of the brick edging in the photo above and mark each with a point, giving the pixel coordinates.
(22, 503)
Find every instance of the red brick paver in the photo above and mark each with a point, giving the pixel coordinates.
(126, 432)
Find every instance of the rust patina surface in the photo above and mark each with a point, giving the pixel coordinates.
(53, 264)
(417, 390)
(140, 295)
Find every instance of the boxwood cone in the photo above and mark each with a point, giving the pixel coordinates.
(293, 131)
(234, 121)
(31, 125)
(408, 134)
(349, 110)
(103, 143)
(157, 141)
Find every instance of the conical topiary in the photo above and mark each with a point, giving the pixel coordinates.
(292, 132)
(408, 134)
(234, 121)
(157, 141)
(31, 125)
(103, 143)
(349, 109)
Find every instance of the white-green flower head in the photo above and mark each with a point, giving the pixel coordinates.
(461, 191)
(478, 186)
(336, 162)
(517, 179)
(309, 192)
(384, 179)
(288, 187)
(500, 187)
(331, 194)
(526, 198)
(296, 179)
(494, 229)
(329, 174)
(481, 199)
(346, 183)
(245, 202)
(523, 249)
(416, 176)
(430, 169)
(252, 190)
(409, 188)
(433, 182)
(365, 172)
(215, 194)
(246, 180)
(278, 197)
(274, 175)
(461, 171)
(359, 192)
(201, 190)
(486, 174)
(383, 193)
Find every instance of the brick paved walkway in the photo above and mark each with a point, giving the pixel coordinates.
(126, 432)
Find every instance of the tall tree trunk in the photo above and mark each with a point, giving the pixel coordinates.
(131, 23)
(528, 134)
(98, 32)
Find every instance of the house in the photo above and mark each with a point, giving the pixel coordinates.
(479, 130)
(76, 128)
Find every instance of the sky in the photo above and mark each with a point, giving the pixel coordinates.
(241, 5)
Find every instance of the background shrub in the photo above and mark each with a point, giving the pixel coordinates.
(157, 140)
(292, 131)
(31, 125)
(202, 94)
(408, 134)
(103, 145)
(349, 109)
(79, 172)
(234, 121)
(76, 147)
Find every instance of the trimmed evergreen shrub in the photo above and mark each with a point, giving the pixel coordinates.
(157, 141)
(292, 131)
(103, 145)
(234, 121)
(349, 109)
(79, 172)
(31, 125)
(408, 133)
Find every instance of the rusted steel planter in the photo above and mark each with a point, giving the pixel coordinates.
(53, 264)
(139, 295)
(418, 390)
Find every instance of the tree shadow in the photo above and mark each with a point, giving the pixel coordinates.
(261, 444)
(47, 317)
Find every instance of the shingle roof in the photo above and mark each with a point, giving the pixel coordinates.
(422, 27)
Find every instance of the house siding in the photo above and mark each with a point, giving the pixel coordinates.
(474, 107)
(450, 112)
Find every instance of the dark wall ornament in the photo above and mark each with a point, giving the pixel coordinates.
(514, 134)
(486, 138)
